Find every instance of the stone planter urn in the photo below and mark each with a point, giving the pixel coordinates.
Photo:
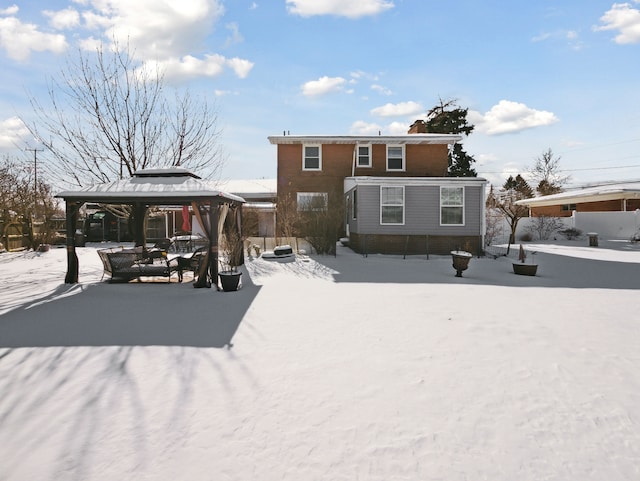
(460, 261)
(523, 269)
(230, 280)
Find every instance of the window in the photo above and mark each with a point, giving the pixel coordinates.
(452, 205)
(312, 159)
(312, 201)
(391, 205)
(364, 155)
(568, 207)
(395, 157)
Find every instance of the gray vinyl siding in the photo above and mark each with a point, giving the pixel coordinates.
(422, 212)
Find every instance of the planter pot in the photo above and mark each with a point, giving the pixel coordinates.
(525, 269)
(230, 280)
(460, 261)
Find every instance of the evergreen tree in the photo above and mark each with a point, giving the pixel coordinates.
(449, 118)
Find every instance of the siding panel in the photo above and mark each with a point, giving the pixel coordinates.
(422, 212)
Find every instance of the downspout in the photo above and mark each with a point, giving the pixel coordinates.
(353, 161)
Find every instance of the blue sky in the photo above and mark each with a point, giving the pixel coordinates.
(563, 75)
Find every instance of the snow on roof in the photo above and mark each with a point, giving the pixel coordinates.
(157, 185)
(625, 190)
(250, 188)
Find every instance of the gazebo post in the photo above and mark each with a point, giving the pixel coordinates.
(238, 210)
(214, 215)
(72, 258)
(139, 213)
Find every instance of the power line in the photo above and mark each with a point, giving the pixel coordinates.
(576, 170)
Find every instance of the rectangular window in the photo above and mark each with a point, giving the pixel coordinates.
(312, 157)
(391, 205)
(312, 201)
(452, 205)
(568, 207)
(364, 155)
(395, 157)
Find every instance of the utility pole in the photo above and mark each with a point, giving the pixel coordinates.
(35, 178)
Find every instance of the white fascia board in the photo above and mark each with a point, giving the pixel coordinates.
(366, 139)
(588, 195)
(351, 182)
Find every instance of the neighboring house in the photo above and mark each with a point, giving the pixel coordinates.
(259, 211)
(615, 197)
(395, 189)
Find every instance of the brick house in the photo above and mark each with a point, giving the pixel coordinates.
(612, 197)
(394, 188)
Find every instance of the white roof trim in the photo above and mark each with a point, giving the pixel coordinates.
(351, 182)
(366, 139)
(598, 193)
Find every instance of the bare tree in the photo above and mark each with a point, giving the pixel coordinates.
(545, 226)
(27, 201)
(546, 174)
(108, 116)
(514, 189)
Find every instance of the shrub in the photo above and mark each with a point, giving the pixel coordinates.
(571, 233)
(526, 237)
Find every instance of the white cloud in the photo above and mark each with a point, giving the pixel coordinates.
(508, 117)
(235, 36)
(156, 29)
(341, 8)
(360, 127)
(63, 19)
(12, 10)
(12, 132)
(163, 34)
(397, 128)
(20, 39)
(397, 110)
(323, 85)
(381, 90)
(625, 19)
(240, 66)
(178, 69)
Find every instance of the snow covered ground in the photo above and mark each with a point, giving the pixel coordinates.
(328, 368)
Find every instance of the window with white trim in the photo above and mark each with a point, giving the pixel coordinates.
(391, 205)
(364, 155)
(312, 201)
(395, 157)
(311, 157)
(452, 205)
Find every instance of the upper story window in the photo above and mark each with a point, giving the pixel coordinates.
(364, 155)
(395, 157)
(452, 205)
(312, 201)
(312, 157)
(391, 205)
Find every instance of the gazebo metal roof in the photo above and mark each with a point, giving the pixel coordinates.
(152, 186)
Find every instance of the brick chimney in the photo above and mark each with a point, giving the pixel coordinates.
(418, 127)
